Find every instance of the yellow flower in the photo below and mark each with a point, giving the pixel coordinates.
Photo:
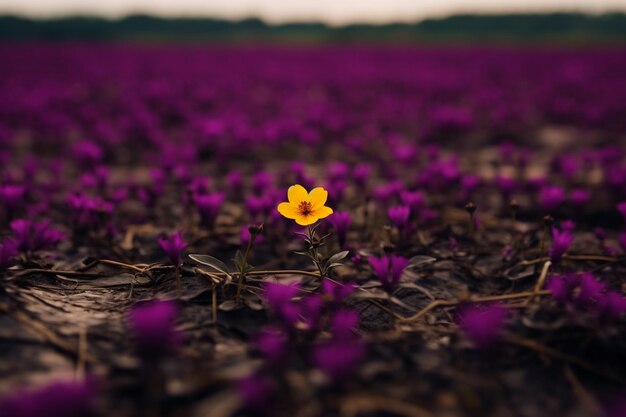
(305, 208)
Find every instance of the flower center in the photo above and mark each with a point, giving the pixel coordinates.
(305, 208)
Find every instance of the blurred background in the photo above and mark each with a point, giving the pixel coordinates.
(316, 21)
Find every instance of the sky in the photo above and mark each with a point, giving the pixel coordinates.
(275, 11)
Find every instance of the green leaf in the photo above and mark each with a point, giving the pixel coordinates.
(229, 305)
(210, 261)
(338, 257)
(238, 260)
(366, 252)
(420, 260)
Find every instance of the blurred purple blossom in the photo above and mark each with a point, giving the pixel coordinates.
(561, 241)
(580, 197)
(550, 198)
(8, 251)
(579, 290)
(611, 305)
(208, 206)
(59, 399)
(482, 324)
(279, 298)
(361, 174)
(272, 343)
(388, 270)
(341, 221)
(152, 325)
(173, 246)
(399, 216)
(413, 199)
(89, 212)
(336, 291)
(337, 358)
(33, 236)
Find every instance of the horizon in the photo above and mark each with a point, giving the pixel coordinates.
(346, 12)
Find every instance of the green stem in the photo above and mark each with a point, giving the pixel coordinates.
(314, 253)
(242, 273)
(214, 303)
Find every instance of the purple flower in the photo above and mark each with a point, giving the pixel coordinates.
(208, 206)
(272, 343)
(507, 186)
(562, 287)
(91, 212)
(261, 181)
(590, 289)
(399, 216)
(234, 180)
(87, 152)
(343, 323)
(173, 246)
(481, 324)
(568, 225)
(337, 292)
(550, 198)
(361, 174)
(561, 241)
(469, 184)
(385, 192)
(8, 251)
(337, 358)
(337, 170)
(310, 309)
(12, 195)
(153, 327)
(341, 221)
(59, 399)
(578, 290)
(413, 199)
(336, 188)
(32, 236)
(279, 298)
(259, 206)
(389, 269)
(198, 186)
(611, 305)
(580, 197)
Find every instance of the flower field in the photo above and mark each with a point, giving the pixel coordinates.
(208, 230)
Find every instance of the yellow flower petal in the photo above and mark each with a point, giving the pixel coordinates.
(297, 194)
(322, 212)
(306, 220)
(288, 210)
(318, 197)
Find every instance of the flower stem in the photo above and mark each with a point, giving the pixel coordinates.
(242, 273)
(214, 303)
(313, 251)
